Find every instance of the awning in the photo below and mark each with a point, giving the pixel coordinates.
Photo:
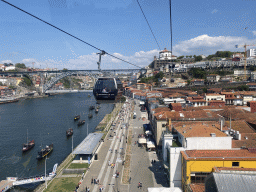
(148, 132)
(142, 140)
(150, 144)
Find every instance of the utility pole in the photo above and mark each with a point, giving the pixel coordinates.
(72, 143)
(45, 172)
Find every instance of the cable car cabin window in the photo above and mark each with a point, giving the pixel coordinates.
(105, 89)
(105, 85)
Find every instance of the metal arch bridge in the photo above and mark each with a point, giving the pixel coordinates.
(92, 73)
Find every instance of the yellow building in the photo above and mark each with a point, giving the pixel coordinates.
(198, 164)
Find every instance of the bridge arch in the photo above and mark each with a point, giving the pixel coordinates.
(63, 74)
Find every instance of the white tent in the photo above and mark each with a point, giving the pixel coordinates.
(164, 189)
(142, 140)
(150, 144)
(148, 132)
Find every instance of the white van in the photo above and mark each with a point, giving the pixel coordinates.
(134, 115)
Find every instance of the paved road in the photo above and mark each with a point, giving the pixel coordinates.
(110, 151)
(142, 170)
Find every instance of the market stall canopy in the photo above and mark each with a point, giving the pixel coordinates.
(150, 144)
(142, 140)
(148, 132)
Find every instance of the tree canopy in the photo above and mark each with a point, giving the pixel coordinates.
(20, 65)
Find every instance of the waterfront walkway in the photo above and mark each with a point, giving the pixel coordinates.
(141, 168)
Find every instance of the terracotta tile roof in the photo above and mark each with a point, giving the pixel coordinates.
(251, 84)
(215, 89)
(242, 154)
(166, 115)
(241, 126)
(188, 123)
(176, 95)
(213, 94)
(175, 104)
(199, 130)
(197, 187)
(161, 109)
(248, 140)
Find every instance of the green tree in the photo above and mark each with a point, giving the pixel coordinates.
(180, 57)
(123, 99)
(198, 58)
(205, 90)
(159, 75)
(20, 65)
(64, 69)
(27, 81)
(243, 88)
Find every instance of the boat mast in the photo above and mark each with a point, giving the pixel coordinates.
(27, 136)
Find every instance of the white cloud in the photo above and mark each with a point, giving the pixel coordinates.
(205, 44)
(254, 32)
(6, 61)
(140, 58)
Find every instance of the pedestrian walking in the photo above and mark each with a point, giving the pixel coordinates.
(98, 181)
(92, 181)
(88, 190)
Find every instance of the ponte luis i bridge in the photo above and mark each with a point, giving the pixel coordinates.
(57, 75)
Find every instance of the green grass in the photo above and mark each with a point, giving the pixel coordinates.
(78, 165)
(63, 184)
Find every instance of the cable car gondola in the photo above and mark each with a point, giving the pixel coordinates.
(105, 88)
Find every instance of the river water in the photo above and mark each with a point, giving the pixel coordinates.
(46, 120)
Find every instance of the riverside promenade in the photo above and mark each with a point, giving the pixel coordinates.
(113, 150)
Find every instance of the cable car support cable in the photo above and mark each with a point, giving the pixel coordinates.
(69, 34)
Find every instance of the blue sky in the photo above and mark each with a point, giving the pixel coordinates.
(118, 27)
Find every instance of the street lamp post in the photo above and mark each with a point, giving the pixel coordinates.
(45, 172)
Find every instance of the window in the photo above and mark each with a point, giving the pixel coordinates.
(235, 164)
(198, 177)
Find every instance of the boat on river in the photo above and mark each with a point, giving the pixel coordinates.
(69, 132)
(96, 110)
(29, 145)
(76, 117)
(81, 122)
(41, 154)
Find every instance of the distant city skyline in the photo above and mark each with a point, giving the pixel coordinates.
(118, 27)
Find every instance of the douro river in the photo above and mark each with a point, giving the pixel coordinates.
(46, 120)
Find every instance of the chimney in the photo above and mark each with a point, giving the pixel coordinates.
(221, 124)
